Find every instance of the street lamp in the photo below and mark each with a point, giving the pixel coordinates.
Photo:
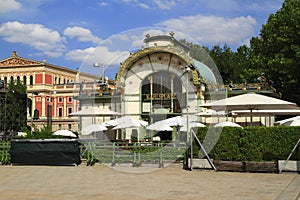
(187, 160)
(188, 138)
(96, 64)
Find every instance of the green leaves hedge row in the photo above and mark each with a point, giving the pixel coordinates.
(248, 144)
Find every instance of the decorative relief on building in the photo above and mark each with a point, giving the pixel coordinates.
(17, 62)
(148, 51)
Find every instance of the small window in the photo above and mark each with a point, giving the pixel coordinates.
(60, 99)
(70, 99)
(24, 80)
(31, 80)
(70, 126)
(60, 112)
(70, 110)
(59, 126)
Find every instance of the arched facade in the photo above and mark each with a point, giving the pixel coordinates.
(157, 81)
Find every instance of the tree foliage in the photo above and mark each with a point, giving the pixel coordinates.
(277, 49)
(275, 52)
(16, 107)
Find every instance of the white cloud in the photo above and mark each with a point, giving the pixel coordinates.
(35, 35)
(9, 5)
(90, 55)
(143, 5)
(213, 29)
(265, 5)
(217, 5)
(102, 3)
(83, 34)
(147, 4)
(79, 54)
(131, 39)
(165, 4)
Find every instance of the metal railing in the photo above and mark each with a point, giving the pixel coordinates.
(136, 153)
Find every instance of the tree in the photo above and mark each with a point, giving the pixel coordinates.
(244, 69)
(16, 107)
(277, 50)
(223, 58)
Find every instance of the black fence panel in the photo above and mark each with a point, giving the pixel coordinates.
(45, 152)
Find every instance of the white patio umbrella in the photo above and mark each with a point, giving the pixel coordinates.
(210, 112)
(66, 133)
(294, 121)
(95, 111)
(177, 121)
(266, 112)
(173, 121)
(223, 124)
(192, 125)
(22, 134)
(93, 128)
(125, 122)
(250, 101)
(159, 127)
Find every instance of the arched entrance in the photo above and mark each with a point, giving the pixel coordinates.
(161, 96)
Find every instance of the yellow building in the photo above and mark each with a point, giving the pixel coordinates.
(51, 89)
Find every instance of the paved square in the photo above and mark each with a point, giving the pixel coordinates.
(172, 182)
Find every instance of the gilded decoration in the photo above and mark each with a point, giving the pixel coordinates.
(146, 51)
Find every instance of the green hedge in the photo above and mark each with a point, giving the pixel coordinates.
(4, 152)
(250, 143)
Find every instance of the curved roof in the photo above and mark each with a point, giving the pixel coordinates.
(205, 72)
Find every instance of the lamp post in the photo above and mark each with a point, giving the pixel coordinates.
(187, 160)
(49, 117)
(96, 64)
(188, 138)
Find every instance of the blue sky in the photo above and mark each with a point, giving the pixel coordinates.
(77, 33)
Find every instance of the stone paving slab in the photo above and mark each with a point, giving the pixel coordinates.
(126, 182)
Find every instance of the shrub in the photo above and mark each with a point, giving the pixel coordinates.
(249, 144)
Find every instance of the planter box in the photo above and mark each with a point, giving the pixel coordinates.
(234, 166)
(237, 166)
(45, 152)
(261, 167)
